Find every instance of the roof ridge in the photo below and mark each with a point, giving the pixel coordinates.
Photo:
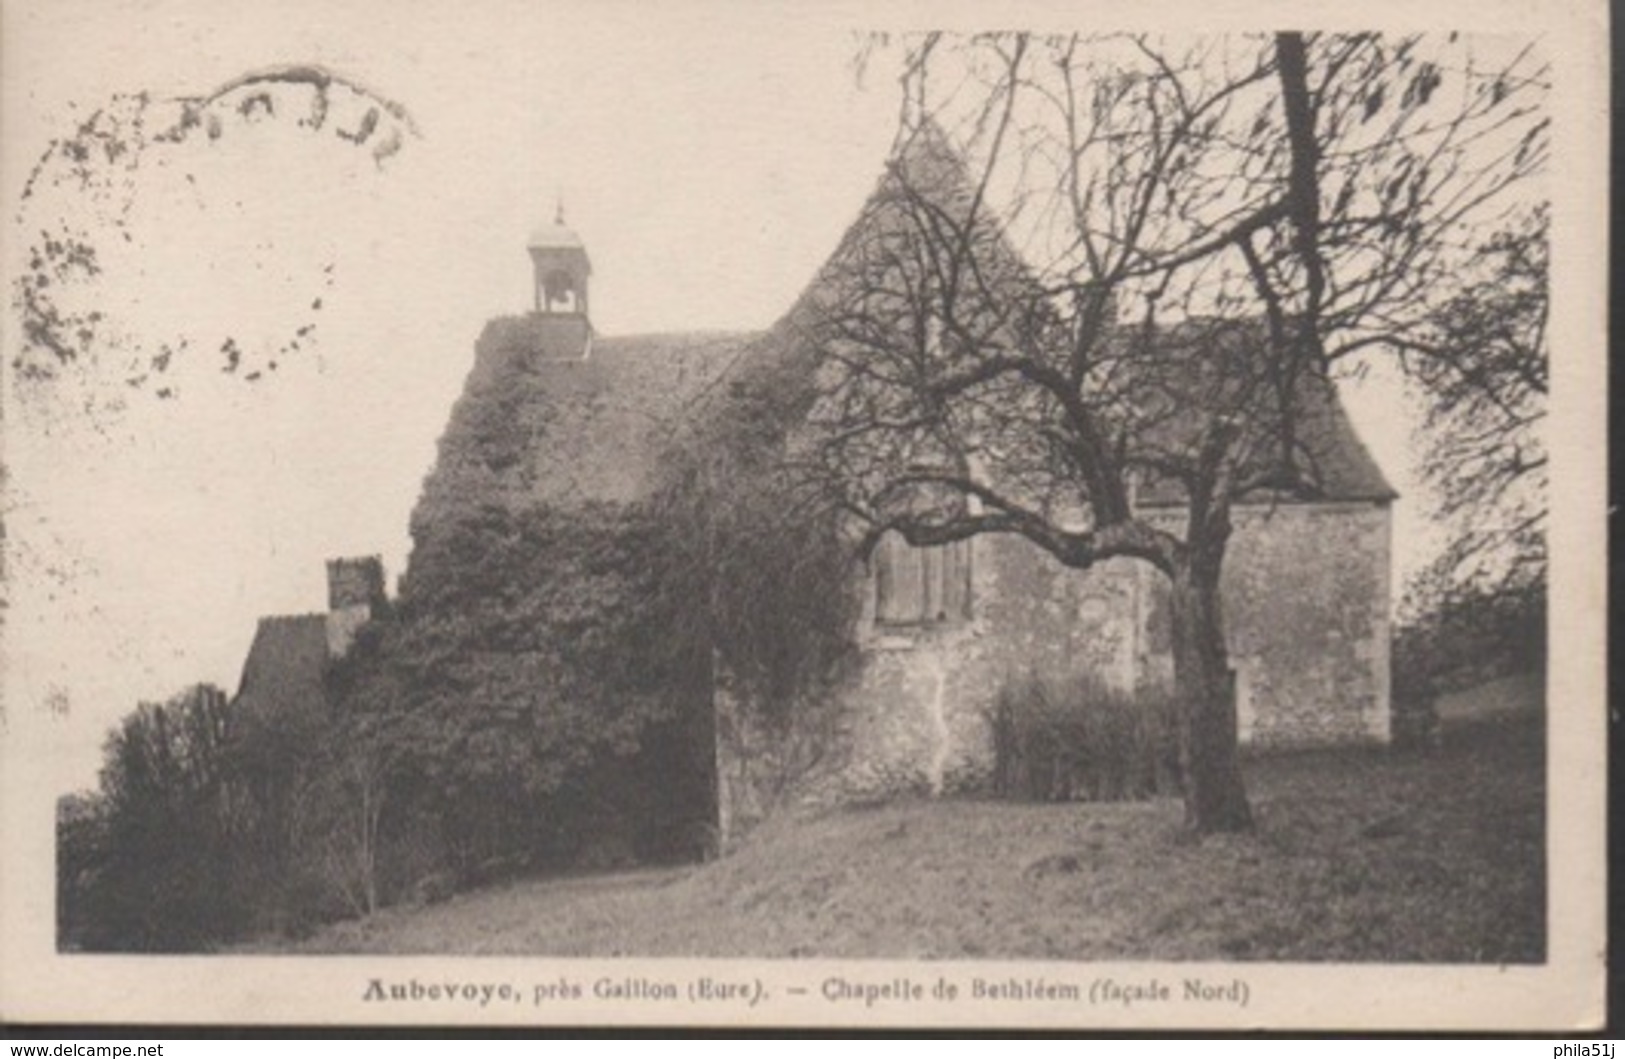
(719, 332)
(289, 619)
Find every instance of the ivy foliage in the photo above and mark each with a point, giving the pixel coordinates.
(759, 539)
(548, 680)
(540, 696)
(532, 667)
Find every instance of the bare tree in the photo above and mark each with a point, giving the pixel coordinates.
(1481, 367)
(349, 842)
(1194, 233)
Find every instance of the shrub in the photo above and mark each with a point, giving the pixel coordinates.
(1455, 637)
(81, 844)
(1077, 739)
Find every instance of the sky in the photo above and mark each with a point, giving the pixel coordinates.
(709, 154)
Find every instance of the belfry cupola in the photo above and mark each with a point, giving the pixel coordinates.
(561, 267)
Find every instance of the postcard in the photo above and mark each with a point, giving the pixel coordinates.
(720, 514)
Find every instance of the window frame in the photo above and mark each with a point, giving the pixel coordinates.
(922, 587)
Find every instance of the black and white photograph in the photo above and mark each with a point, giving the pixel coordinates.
(810, 514)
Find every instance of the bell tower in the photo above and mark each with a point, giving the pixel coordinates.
(561, 269)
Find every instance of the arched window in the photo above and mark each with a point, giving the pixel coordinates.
(559, 292)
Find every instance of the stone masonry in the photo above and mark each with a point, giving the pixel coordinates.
(1306, 596)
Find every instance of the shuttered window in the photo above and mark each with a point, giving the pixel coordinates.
(921, 586)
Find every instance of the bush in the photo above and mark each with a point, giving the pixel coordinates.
(1456, 637)
(1079, 740)
(81, 844)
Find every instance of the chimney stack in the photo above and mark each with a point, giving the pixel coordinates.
(355, 595)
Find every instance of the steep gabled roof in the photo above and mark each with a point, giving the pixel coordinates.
(927, 166)
(539, 423)
(1346, 468)
(1331, 455)
(283, 674)
(925, 181)
(1184, 372)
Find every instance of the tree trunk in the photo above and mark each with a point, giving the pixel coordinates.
(1214, 797)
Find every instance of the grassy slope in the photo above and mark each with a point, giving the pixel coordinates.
(1358, 856)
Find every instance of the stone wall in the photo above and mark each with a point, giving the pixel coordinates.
(914, 718)
(1306, 596)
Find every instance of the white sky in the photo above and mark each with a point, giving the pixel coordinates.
(710, 155)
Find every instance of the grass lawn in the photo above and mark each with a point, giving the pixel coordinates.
(1359, 855)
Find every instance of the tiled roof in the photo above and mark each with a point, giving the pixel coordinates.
(283, 674)
(927, 164)
(924, 167)
(576, 429)
(607, 418)
(1330, 453)
(552, 413)
(1208, 366)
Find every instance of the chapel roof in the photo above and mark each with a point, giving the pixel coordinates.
(926, 163)
(541, 423)
(591, 428)
(1331, 455)
(610, 415)
(1183, 372)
